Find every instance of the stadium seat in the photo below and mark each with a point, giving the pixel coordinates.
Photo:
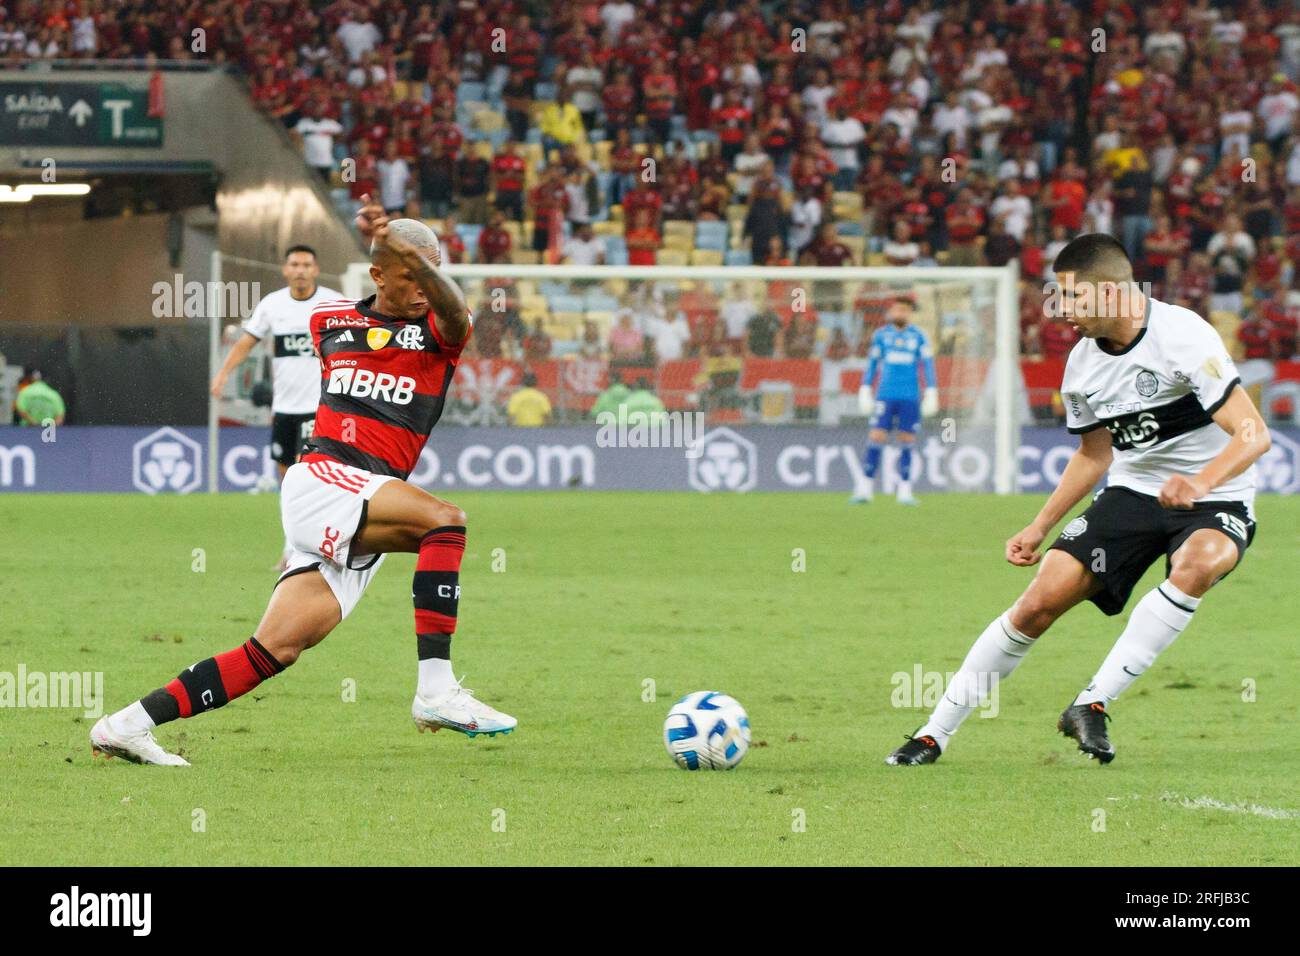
(711, 234)
(679, 243)
(671, 257)
(847, 205)
(543, 92)
(525, 257)
(857, 245)
(706, 257)
(470, 90)
(564, 325)
(566, 302)
(679, 228)
(598, 300)
(738, 257)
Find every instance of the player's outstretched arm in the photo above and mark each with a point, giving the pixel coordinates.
(1239, 417)
(1081, 475)
(238, 352)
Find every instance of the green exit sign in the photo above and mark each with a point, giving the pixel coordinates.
(76, 114)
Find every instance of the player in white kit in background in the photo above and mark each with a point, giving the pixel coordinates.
(1156, 401)
(282, 318)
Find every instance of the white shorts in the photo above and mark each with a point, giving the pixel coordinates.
(322, 506)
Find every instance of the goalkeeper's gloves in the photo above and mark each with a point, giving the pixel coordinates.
(930, 402)
(866, 401)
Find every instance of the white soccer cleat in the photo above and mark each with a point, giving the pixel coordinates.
(138, 747)
(863, 492)
(905, 496)
(459, 710)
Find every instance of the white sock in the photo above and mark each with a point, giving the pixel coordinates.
(436, 677)
(993, 656)
(132, 719)
(1159, 617)
(904, 489)
(867, 486)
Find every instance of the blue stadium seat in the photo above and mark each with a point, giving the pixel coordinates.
(598, 300)
(471, 90)
(565, 303)
(848, 227)
(711, 235)
(544, 91)
(469, 234)
(738, 257)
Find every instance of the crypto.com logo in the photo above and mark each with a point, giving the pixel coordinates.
(727, 462)
(166, 460)
(1279, 468)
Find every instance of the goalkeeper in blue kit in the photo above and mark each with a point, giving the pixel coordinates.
(899, 351)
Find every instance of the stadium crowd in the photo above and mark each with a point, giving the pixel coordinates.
(827, 132)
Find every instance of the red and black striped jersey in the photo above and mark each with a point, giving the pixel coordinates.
(383, 385)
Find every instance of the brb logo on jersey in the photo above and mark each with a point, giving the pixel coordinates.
(363, 383)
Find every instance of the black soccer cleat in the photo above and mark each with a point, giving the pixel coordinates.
(1086, 723)
(916, 751)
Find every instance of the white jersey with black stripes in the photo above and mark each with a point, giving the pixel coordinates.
(295, 369)
(1157, 397)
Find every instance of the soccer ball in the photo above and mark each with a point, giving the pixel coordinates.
(707, 730)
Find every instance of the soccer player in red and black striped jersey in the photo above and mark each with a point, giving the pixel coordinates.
(386, 364)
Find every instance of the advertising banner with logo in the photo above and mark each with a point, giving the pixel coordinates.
(172, 460)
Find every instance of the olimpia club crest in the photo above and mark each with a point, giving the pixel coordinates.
(1075, 528)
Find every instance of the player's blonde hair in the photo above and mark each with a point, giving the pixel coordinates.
(410, 230)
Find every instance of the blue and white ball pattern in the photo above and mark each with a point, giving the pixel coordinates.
(707, 730)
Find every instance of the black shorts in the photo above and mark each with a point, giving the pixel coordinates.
(1123, 532)
(288, 432)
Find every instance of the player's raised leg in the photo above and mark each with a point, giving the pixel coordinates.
(402, 517)
(1061, 583)
(301, 612)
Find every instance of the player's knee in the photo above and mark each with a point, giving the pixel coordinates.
(1195, 574)
(285, 644)
(877, 435)
(447, 515)
(438, 514)
(1034, 613)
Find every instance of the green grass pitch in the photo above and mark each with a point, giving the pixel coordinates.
(601, 592)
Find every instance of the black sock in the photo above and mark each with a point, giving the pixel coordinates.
(432, 646)
(160, 706)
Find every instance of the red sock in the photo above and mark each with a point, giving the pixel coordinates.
(436, 587)
(218, 680)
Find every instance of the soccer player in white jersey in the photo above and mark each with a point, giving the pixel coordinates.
(1156, 401)
(281, 317)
